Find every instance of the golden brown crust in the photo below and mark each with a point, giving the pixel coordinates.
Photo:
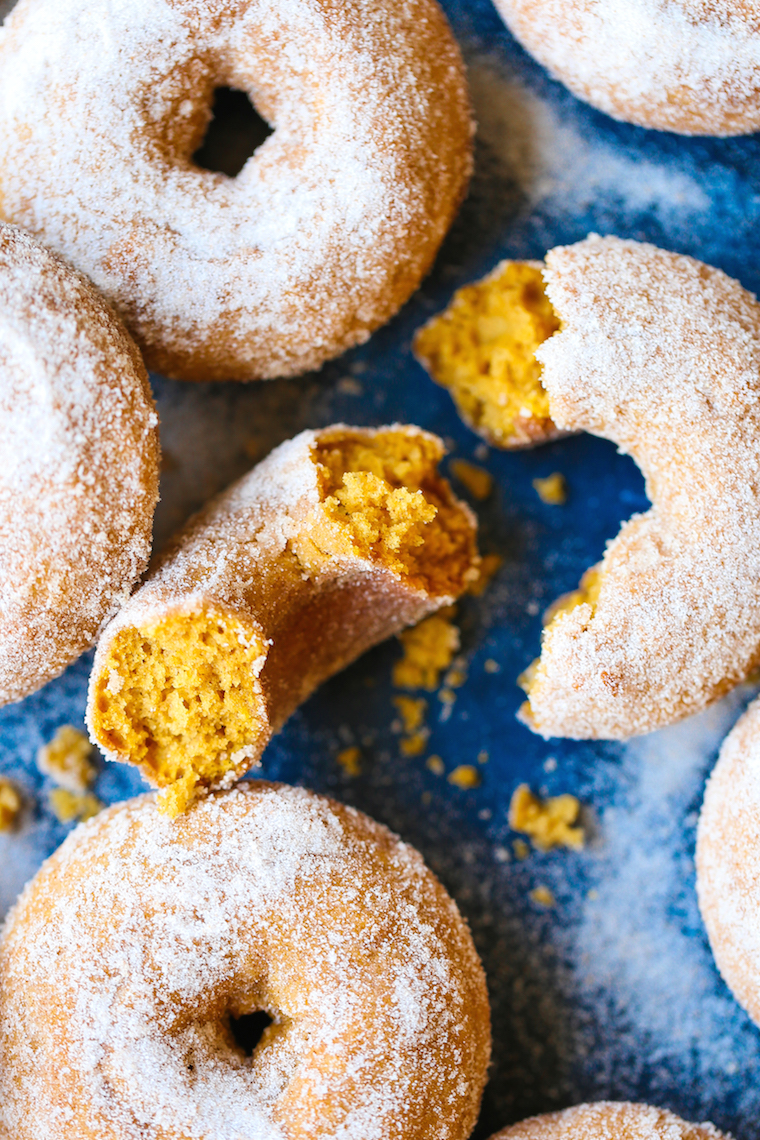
(127, 954)
(325, 233)
(660, 354)
(728, 863)
(78, 464)
(690, 66)
(607, 1120)
(269, 555)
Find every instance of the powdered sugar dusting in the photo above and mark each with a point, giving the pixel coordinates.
(148, 934)
(609, 1121)
(327, 229)
(683, 65)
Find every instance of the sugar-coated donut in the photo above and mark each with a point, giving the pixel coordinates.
(728, 861)
(690, 66)
(340, 538)
(78, 464)
(326, 231)
(661, 354)
(609, 1120)
(128, 955)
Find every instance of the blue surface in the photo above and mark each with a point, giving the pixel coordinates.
(612, 992)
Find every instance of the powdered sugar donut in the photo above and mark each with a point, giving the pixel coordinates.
(339, 539)
(660, 354)
(78, 464)
(137, 942)
(691, 66)
(610, 1121)
(326, 231)
(728, 861)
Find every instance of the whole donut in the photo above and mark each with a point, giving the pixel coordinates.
(137, 942)
(78, 464)
(609, 1120)
(329, 227)
(728, 861)
(690, 66)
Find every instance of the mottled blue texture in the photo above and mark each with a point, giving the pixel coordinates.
(613, 992)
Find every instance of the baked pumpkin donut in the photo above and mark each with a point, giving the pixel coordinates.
(608, 1120)
(690, 66)
(660, 354)
(132, 951)
(78, 465)
(728, 861)
(338, 540)
(326, 231)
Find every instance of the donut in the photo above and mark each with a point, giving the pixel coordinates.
(689, 66)
(340, 538)
(324, 234)
(608, 1120)
(140, 942)
(78, 465)
(660, 354)
(728, 863)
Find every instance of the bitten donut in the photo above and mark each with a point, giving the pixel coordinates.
(132, 951)
(690, 66)
(660, 354)
(78, 465)
(728, 861)
(326, 231)
(340, 538)
(607, 1120)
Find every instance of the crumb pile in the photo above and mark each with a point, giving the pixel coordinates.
(483, 349)
(549, 823)
(428, 649)
(338, 540)
(326, 231)
(125, 960)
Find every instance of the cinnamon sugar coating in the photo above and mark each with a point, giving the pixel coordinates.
(608, 1120)
(728, 861)
(78, 465)
(139, 940)
(690, 66)
(338, 540)
(326, 231)
(660, 354)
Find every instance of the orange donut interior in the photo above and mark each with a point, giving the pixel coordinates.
(180, 697)
(482, 348)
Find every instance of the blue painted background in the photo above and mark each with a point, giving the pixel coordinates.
(612, 992)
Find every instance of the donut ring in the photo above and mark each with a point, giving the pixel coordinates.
(689, 66)
(324, 234)
(338, 540)
(728, 866)
(660, 354)
(611, 1120)
(134, 945)
(78, 465)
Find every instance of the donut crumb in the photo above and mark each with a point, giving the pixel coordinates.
(10, 804)
(429, 648)
(548, 823)
(67, 760)
(68, 806)
(482, 348)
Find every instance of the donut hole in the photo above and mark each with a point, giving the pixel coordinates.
(248, 1029)
(236, 130)
(392, 507)
(482, 349)
(179, 698)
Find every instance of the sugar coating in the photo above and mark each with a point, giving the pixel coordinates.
(661, 354)
(607, 1120)
(280, 582)
(728, 867)
(127, 954)
(78, 464)
(691, 66)
(326, 231)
